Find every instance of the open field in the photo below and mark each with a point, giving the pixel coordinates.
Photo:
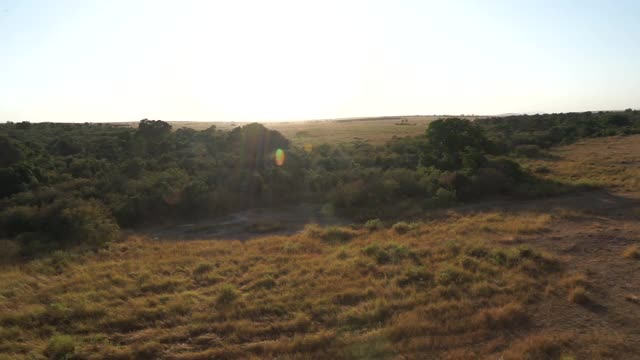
(553, 278)
(314, 132)
(612, 162)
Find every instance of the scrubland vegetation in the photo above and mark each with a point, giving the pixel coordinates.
(65, 184)
(431, 267)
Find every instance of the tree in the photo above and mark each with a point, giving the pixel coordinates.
(257, 144)
(153, 136)
(618, 120)
(153, 128)
(11, 152)
(450, 141)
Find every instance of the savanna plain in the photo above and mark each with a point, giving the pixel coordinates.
(414, 257)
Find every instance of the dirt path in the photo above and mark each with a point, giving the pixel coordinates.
(593, 245)
(244, 225)
(589, 233)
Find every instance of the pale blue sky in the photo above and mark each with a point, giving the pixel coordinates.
(241, 60)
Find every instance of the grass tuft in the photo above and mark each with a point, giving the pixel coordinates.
(579, 295)
(632, 252)
(228, 295)
(60, 347)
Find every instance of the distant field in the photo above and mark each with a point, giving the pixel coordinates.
(375, 131)
(610, 162)
(371, 130)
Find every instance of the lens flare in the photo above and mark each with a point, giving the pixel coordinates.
(279, 157)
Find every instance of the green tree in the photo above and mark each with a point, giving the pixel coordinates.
(453, 142)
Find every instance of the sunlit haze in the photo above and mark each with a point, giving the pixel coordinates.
(76, 61)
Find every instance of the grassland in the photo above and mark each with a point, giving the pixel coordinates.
(554, 278)
(370, 130)
(334, 292)
(610, 162)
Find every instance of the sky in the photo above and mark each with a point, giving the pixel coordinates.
(277, 60)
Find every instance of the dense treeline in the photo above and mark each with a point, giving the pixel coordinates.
(525, 132)
(80, 183)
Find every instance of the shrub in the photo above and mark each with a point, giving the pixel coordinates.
(17, 219)
(313, 230)
(86, 222)
(32, 243)
(403, 227)
(444, 196)
(538, 347)
(417, 275)
(378, 253)
(489, 181)
(373, 225)
(202, 269)
(10, 251)
(60, 347)
(336, 234)
(578, 295)
(267, 282)
(393, 253)
(452, 275)
(527, 150)
(228, 294)
(502, 317)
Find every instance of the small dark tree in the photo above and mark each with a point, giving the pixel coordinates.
(450, 141)
(153, 137)
(153, 128)
(10, 152)
(257, 144)
(618, 120)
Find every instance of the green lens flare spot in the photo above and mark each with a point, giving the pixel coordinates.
(279, 157)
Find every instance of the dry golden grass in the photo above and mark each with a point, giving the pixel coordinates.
(453, 287)
(607, 162)
(632, 252)
(376, 130)
(436, 291)
(578, 295)
(497, 225)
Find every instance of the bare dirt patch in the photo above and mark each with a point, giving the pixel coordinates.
(247, 224)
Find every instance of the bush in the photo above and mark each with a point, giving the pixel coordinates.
(403, 227)
(313, 231)
(490, 181)
(332, 234)
(578, 295)
(444, 196)
(202, 269)
(392, 253)
(373, 225)
(228, 294)
(10, 251)
(87, 222)
(60, 347)
(418, 275)
(527, 150)
(17, 219)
